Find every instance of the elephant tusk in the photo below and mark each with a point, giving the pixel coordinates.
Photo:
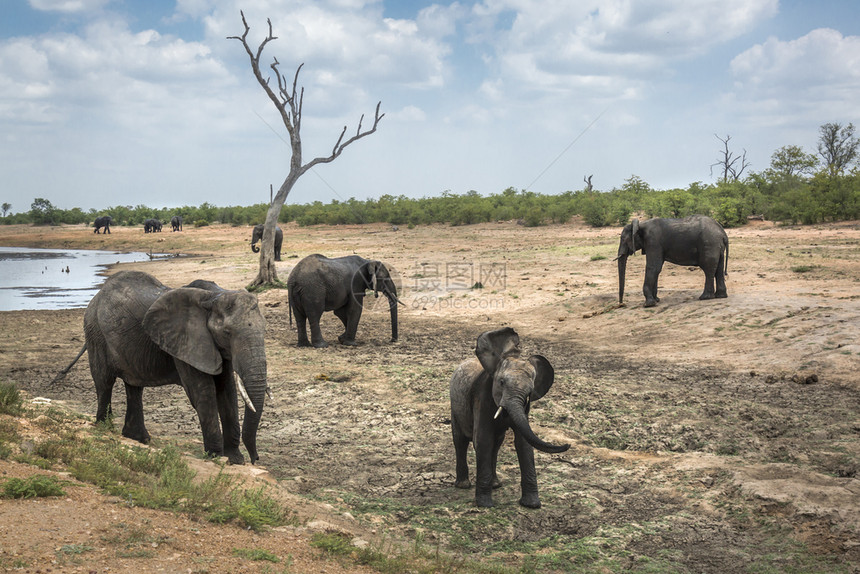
(244, 393)
(498, 412)
(269, 393)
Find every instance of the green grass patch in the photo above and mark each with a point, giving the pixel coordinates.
(598, 257)
(36, 486)
(256, 554)
(11, 402)
(805, 268)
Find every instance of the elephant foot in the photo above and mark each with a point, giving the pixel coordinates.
(721, 295)
(465, 483)
(303, 344)
(136, 434)
(320, 345)
(234, 457)
(530, 500)
(484, 500)
(651, 302)
(348, 342)
(706, 296)
(496, 482)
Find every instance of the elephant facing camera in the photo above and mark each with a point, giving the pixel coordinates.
(318, 284)
(490, 394)
(206, 339)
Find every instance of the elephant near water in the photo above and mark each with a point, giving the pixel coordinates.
(696, 240)
(102, 222)
(318, 284)
(257, 237)
(150, 335)
(490, 394)
(176, 223)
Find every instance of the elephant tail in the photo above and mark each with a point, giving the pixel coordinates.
(726, 262)
(290, 305)
(61, 375)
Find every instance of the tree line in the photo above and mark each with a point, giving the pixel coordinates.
(797, 188)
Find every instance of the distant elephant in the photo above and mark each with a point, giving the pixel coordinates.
(490, 394)
(257, 235)
(317, 284)
(176, 223)
(150, 335)
(696, 240)
(151, 226)
(102, 222)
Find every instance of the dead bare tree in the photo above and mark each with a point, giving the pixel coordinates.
(728, 162)
(587, 181)
(288, 99)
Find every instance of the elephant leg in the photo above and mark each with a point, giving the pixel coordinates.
(343, 316)
(528, 476)
(104, 392)
(708, 292)
(317, 339)
(353, 315)
(484, 473)
(496, 446)
(200, 389)
(461, 449)
(228, 412)
(134, 427)
(652, 273)
(301, 327)
(720, 277)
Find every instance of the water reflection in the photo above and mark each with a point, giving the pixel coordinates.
(54, 278)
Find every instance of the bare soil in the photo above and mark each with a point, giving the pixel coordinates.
(708, 436)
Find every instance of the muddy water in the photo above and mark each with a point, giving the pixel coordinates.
(33, 279)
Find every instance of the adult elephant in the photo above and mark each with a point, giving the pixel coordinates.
(150, 335)
(257, 236)
(176, 223)
(102, 222)
(696, 240)
(318, 284)
(490, 394)
(151, 226)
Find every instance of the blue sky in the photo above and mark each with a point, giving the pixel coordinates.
(125, 102)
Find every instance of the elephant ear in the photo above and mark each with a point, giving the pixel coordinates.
(361, 279)
(177, 323)
(544, 376)
(634, 231)
(493, 346)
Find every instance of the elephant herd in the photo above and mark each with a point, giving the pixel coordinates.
(151, 225)
(211, 342)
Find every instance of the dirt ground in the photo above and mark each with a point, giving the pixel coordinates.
(708, 436)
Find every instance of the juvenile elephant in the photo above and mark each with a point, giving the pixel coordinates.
(318, 284)
(490, 394)
(257, 236)
(149, 335)
(176, 223)
(696, 240)
(102, 222)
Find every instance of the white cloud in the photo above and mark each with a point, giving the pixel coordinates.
(816, 76)
(68, 6)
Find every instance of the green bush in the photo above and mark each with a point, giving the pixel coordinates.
(35, 486)
(11, 402)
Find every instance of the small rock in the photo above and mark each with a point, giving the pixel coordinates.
(360, 543)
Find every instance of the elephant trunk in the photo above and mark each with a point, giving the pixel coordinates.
(256, 384)
(520, 423)
(391, 293)
(254, 247)
(622, 272)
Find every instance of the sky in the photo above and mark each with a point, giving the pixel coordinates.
(132, 102)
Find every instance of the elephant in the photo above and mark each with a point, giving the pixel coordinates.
(257, 235)
(176, 223)
(102, 222)
(696, 240)
(489, 394)
(151, 226)
(317, 284)
(150, 335)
